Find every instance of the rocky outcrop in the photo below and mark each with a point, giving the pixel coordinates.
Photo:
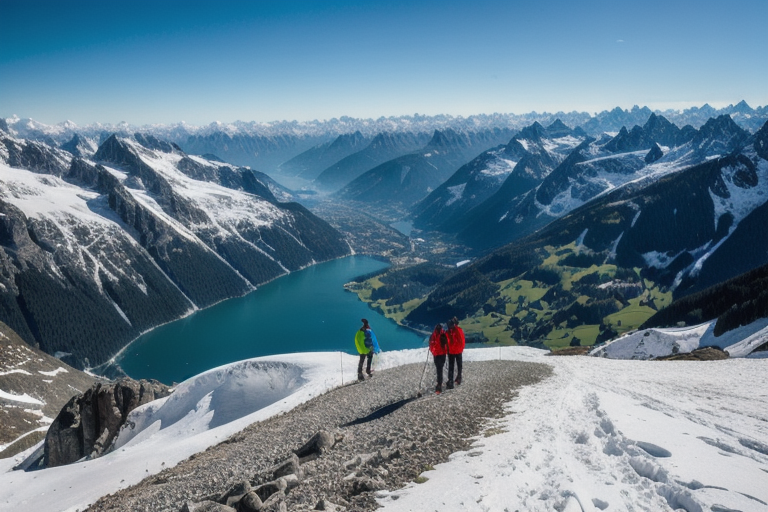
(89, 423)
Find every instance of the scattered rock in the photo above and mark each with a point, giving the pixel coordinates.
(235, 493)
(700, 354)
(319, 444)
(206, 506)
(288, 467)
(328, 506)
(250, 502)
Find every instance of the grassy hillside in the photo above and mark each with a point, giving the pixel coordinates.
(567, 297)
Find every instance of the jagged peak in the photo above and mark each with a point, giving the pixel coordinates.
(534, 132)
(741, 107)
(149, 141)
(558, 129)
(720, 123)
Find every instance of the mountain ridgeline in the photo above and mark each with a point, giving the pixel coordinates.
(95, 251)
(544, 173)
(403, 181)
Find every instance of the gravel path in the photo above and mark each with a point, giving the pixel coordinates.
(383, 453)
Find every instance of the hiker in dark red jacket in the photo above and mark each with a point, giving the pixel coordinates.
(455, 350)
(438, 345)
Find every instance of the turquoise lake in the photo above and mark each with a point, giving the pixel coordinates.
(305, 311)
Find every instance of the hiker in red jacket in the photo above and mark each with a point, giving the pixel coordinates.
(455, 350)
(438, 345)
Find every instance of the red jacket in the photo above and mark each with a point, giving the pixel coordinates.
(455, 340)
(435, 346)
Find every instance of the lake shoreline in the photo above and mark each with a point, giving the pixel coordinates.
(236, 326)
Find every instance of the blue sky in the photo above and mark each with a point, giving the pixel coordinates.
(165, 61)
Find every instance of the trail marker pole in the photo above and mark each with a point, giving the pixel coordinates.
(418, 391)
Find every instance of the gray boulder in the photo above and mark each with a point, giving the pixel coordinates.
(206, 506)
(318, 444)
(88, 424)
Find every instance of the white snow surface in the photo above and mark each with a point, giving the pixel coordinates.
(600, 434)
(25, 398)
(456, 192)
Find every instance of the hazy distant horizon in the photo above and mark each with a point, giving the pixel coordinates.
(715, 105)
(144, 62)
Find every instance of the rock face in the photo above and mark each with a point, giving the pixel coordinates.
(88, 424)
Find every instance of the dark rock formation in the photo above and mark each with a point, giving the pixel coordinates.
(654, 154)
(89, 423)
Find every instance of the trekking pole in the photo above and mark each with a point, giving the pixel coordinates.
(418, 394)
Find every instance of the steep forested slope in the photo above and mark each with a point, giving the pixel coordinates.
(93, 252)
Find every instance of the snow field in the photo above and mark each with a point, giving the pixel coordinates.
(600, 434)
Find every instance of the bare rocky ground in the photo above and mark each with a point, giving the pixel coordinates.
(374, 449)
(27, 370)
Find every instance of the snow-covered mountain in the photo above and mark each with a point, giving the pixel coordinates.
(595, 167)
(509, 171)
(95, 251)
(675, 231)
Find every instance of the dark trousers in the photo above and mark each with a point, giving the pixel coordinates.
(439, 364)
(454, 359)
(363, 357)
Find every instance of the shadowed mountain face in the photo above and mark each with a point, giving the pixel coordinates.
(47, 382)
(383, 147)
(309, 164)
(403, 181)
(94, 252)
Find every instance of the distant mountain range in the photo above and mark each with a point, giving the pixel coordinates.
(96, 250)
(549, 172)
(264, 146)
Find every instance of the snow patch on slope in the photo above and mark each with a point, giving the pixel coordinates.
(456, 192)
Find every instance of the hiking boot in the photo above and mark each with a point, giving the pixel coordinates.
(449, 385)
(370, 373)
(360, 376)
(458, 381)
(439, 389)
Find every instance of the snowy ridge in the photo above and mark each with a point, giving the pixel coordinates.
(598, 435)
(658, 342)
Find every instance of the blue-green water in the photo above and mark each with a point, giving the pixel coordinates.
(306, 311)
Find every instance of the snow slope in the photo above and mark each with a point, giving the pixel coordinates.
(600, 434)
